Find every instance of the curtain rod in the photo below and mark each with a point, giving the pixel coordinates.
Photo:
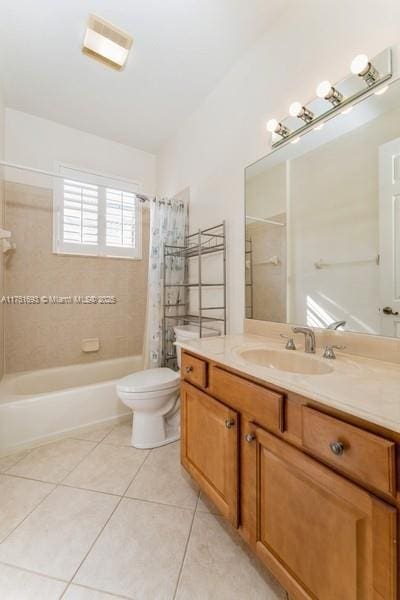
(140, 196)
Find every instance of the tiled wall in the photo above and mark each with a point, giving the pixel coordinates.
(269, 280)
(42, 336)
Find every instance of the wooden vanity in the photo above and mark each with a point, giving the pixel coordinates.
(313, 491)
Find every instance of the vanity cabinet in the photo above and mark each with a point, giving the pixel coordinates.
(209, 448)
(327, 529)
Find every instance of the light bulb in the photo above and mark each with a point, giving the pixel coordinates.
(359, 64)
(295, 109)
(272, 125)
(324, 89)
(382, 91)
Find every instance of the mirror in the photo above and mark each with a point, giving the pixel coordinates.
(323, 224)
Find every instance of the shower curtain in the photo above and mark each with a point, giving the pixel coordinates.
(167, 226)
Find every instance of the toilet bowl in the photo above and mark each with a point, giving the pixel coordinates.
(153, 395)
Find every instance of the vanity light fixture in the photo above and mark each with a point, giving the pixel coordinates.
(362, 67)
(273, 126)
(382, 91)
(347, 110)
(106, 43)
(326, 91)
(296, 109)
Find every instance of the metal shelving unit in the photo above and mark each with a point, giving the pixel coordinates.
(177, 296)
(249, 279)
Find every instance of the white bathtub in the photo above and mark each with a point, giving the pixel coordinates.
(37, 406)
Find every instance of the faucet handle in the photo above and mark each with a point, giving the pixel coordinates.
(329, 351)
(290, 345)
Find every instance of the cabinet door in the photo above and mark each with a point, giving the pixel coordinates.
(324, 537)
(209, 448)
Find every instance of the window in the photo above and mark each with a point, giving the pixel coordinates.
(96, 215)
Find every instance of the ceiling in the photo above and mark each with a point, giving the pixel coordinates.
(181, 49)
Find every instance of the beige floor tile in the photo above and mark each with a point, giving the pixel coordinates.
(76, 592)
(56, 536)
(18, 497)
(217, 566)
(121, 435)
(140, 551)
(162, 479)
(6, 462)
(52, 462)
(107, 469)
(205, 505)
(22, 585)
(95, 434)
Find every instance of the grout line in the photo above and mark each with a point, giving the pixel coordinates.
(104, 526)
(92, 589)
(17, 568)
(186, 549)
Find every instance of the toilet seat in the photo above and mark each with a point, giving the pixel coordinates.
(150, 380)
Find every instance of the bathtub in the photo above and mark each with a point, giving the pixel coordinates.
(38, 406)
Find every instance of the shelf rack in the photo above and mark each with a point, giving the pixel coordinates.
(176, 296)
(249, 279)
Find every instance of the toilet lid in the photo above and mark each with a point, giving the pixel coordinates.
(149, 380)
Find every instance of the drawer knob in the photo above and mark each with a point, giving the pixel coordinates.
(189, 369)
(337, 448)
(229, 423)
(250, 437)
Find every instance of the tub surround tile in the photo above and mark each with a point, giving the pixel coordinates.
(57, 535)
(52, 462)
(16, 584)
(162, 479)
(217, 565)
(140, 551)
(121, 435)
(18, 497)
(77, 592)
(107, 469)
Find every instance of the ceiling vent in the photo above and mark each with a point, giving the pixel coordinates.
(106, 43)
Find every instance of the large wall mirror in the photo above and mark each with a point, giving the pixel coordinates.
(323, 224)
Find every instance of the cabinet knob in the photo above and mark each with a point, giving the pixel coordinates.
(337, 448)
(229, 423)
(188, 369)
(250, 437)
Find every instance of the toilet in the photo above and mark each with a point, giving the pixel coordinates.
(153, 396)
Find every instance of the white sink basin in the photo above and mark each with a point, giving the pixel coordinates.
(285, 360)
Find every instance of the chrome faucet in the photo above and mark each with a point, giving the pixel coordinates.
(336, 324)
(309, 338)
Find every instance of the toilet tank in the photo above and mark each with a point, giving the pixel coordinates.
(183, 333)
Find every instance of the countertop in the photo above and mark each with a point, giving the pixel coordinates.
(362, 387)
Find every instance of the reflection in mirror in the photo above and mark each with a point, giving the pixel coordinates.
(323, 224)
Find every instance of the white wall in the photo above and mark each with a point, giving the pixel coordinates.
(37, 142)
(310, 43)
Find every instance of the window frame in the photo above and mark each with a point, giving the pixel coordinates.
(104, 182)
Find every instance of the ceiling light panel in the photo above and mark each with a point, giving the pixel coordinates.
(106, 43)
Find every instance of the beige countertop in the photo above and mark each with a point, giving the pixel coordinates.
(363, 387)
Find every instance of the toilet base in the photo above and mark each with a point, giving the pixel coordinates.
(153, 431)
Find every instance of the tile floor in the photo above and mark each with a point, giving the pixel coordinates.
(91, 518)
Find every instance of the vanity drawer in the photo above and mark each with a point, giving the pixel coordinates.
(194, 370)
(264, 405)
(367, 457)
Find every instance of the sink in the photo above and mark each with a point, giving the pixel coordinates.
(284, 360)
